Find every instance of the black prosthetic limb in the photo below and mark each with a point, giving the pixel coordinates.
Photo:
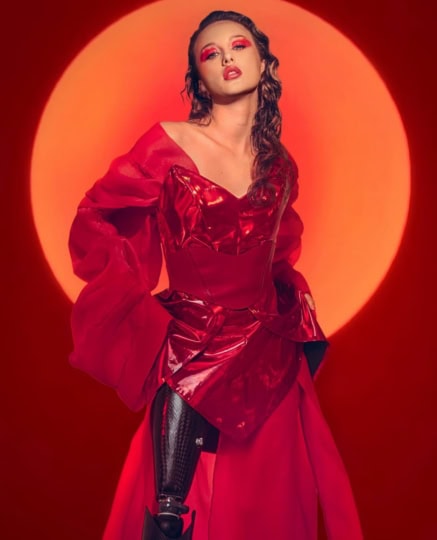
(179, 435)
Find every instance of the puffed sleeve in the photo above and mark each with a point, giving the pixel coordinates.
(291, 286)
(118, 327)
(289, 245)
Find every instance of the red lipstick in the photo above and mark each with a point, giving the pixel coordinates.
(231, 72)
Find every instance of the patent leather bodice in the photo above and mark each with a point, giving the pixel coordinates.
(217, 246)
(196, 210)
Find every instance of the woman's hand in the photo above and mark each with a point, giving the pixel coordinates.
(310, 301)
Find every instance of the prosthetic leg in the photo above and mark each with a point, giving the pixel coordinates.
(179, 435)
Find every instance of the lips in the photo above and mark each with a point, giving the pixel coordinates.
(231, 72)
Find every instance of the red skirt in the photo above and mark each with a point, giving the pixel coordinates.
(264, 487)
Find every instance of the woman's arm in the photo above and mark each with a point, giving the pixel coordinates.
(288, 248)
(118, 327)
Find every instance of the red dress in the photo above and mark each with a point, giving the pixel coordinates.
(227, 335)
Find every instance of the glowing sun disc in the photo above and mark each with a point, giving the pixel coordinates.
(339, 122)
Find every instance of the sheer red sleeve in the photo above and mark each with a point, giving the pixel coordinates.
(118, 327)
(289, 243)
(291, 285)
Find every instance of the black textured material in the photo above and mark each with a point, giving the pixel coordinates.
(314, 352)
(151, 530)
(178, 432)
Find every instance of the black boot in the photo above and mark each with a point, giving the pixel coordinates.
(153, 531)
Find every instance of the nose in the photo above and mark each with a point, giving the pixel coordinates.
(227, 58)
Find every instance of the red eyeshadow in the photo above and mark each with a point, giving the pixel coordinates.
(204, 54)
(242, 41)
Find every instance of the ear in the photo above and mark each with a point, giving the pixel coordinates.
(202, 88)
(263, 66)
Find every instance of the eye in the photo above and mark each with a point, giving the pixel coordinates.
(241, 44)
(208, 54)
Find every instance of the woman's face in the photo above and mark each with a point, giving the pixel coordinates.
(227, 59)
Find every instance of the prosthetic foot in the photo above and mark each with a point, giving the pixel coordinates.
(153, 531)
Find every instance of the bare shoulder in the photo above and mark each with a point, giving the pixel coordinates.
(183, 132)
(178, 131)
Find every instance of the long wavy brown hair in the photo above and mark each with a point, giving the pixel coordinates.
(271, 156)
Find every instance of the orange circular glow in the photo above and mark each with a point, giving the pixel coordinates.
(339, 122)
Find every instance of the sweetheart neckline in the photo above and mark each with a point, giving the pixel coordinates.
(196, 169)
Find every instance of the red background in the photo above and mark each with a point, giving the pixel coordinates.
(64, 437)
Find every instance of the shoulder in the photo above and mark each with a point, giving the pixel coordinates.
(291, 163)
(179, 131)
(161, 147)
(155, 143)
(291, 173)
(171, 127)
(149, 138)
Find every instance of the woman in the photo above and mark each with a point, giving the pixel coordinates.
(225, 354)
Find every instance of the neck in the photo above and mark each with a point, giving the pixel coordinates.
(232, 123)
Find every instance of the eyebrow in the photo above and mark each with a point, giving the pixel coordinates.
(232, 37)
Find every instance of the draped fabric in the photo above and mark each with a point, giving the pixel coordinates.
(228, 335)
